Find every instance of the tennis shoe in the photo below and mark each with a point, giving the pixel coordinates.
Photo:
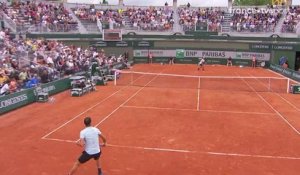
(100, 172)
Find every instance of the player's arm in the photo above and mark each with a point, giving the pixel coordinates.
(81, 142)
(103, 139)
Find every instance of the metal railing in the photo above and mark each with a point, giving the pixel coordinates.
(48, 28)
(9, 21)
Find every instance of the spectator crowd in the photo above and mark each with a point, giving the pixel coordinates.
(44, 16)
(44, 62)
(291, 19)
(258, 21)
(147, 19)
(210, 19)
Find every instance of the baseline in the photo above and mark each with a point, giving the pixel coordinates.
(213, 153)
(200, 110)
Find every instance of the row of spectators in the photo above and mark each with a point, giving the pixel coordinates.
(207, 18)
(256, 22)
(49, 17)
(54, 17)
(104, 16)
(152, 18)
(140, 18)
(291, 19)
(50, 60)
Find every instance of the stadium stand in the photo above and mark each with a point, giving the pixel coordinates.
(209, 19)
(26, 62)
(256, 22)
(44, 61)
(291, 19)
(39, 16)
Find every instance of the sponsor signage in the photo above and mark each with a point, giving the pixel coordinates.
(204, 53)
(16, 100)
(13, 100)
(100, 44)
(144, 44)
(179, 53)
(286, 72)
(282, 47)
(260, 46)
(122, 44)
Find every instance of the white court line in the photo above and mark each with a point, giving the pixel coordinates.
(202, 110)
(288, 102)
(81, 114)
(198, 95)
(105, 118)
(56, 129)
(223, 154)
(278, 113)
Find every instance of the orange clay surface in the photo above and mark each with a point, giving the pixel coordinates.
(171, 127)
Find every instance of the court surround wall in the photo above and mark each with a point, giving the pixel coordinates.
(277, 46)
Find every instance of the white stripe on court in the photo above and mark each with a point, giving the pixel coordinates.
(155, 149)
(288, 102)
(105, 118)
(81, 113)
(202, 110)
(86, 111)
(278, 113)
(198, 95)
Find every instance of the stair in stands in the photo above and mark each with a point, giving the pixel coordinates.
(90, 26)
(226, 22)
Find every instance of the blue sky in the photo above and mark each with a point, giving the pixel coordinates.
(170, 2)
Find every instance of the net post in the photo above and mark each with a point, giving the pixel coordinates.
(269, 85)
(288, 86)
(115, 78)
(131, 79)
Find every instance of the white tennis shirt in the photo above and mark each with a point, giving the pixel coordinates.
(91, 138)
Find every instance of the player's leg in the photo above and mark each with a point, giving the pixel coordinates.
(82, 159)
(74, 168)
(97, 160)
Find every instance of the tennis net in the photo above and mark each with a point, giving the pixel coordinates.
(229, 83)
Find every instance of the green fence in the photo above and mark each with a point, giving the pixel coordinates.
(25, 97)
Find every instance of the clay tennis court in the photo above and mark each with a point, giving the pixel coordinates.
(157, 123)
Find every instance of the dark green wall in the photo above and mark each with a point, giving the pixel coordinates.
(289, 54)
(204, 40)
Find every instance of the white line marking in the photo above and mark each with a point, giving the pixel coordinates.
(149, 148)
(60, 140)
(158, 108)
(86, 111)
(189, 151)
(81, 113)
(253, 156)
(105, 118)
(195, 76)
(125, 101)
(288, 102)
(278, 113)
(202, 110)
(198, 95)
(241, 112)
